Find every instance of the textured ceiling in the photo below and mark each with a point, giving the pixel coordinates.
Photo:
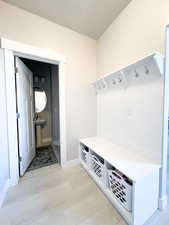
(89, 17)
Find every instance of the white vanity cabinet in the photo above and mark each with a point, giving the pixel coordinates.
(133, 178)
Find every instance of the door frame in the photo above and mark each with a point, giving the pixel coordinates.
(164, 155)
(12, 49)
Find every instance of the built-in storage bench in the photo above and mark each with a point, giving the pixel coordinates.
(129, 181)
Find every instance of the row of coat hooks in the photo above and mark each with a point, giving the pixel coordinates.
(146, 67)
(114, 79)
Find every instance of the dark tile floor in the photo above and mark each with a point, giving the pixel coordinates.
(44, 157)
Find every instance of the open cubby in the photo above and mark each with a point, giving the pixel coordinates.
(120, 186)
(84, 152)
(97, 165)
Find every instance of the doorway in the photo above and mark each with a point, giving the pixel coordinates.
(37, 88)
(10, 49)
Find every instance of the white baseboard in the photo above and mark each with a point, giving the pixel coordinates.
(71, 163)
(3, 192)
(154, 219)
(14, 181)
(162, 203)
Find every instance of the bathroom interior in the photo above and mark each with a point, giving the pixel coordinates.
(46, 113)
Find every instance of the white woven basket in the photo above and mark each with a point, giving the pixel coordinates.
(97, 166)
(121, 188)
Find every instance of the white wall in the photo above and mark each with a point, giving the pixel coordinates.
(130, 114)
(138, 31)
(80, 51)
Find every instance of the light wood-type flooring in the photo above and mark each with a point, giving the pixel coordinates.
(56, 196)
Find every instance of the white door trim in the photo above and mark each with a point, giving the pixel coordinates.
(12, 49)
(163, 198)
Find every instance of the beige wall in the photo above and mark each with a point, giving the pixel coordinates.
(138, 31)
(80, 51)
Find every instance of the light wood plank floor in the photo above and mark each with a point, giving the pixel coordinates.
(55, 196)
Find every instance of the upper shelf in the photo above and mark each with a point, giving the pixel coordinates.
(132, 164)
(145, 67)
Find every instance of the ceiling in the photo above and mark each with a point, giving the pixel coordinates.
(89, 17)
